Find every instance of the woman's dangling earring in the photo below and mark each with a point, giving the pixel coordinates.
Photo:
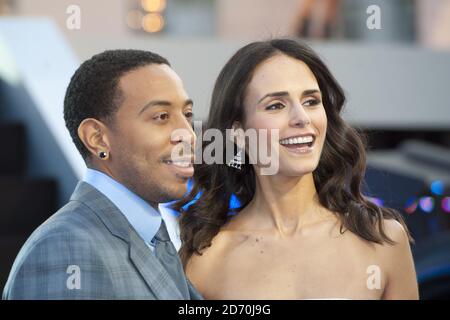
(236, 162)
(238, 159)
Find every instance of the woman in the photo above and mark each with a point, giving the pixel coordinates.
(305, 232)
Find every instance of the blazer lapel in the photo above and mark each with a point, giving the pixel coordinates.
(154, 274)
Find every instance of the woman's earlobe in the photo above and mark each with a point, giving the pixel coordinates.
(236, 125)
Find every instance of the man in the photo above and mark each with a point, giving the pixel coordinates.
(121, 108)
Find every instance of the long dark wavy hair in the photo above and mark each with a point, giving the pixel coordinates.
(338, 177)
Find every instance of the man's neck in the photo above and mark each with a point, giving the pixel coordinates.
(105, 170)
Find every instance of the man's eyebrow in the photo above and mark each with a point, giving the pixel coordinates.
(163, 103)
(285, 93)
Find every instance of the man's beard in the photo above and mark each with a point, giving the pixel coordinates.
(147, 187)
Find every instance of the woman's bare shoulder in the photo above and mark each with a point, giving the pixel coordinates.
(398, 261)
(395, 231)
(205, 270)
(385, 253)
(216, 251)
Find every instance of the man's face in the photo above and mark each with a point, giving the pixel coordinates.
(154, 104)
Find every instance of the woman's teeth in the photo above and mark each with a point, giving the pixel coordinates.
(298, 140)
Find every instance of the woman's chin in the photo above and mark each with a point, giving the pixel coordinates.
(296, 172)
(297, 168)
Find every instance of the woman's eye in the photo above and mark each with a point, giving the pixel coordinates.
(312, 102)
(189, 114)
(162, 117)
(275, 106)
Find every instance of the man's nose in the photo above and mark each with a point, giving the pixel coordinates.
(184, 133)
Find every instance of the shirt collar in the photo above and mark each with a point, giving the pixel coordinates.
(143, 217)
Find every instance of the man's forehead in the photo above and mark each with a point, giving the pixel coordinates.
(150, 77)
(152, 72)
(152, 83)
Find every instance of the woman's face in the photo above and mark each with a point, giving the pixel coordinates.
(284, 94)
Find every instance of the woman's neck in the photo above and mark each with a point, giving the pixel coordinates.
(285, 203)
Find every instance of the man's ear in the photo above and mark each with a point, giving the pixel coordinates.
(94, 135)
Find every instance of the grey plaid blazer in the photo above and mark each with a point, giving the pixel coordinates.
(88, 250)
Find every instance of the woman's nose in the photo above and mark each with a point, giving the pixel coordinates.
(298, 116)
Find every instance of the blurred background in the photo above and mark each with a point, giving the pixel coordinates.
(392, 57)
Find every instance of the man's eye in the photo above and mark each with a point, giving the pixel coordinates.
(189, 114)
(312, 102)
(275, 106)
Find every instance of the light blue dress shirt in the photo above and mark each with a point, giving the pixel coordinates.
(145, 219)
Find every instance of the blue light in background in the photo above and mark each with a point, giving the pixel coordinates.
(446, 204)
(437, 187)
(189, 187)
(411, 205)
(234, 201)
(379, 202)
(426, 204)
